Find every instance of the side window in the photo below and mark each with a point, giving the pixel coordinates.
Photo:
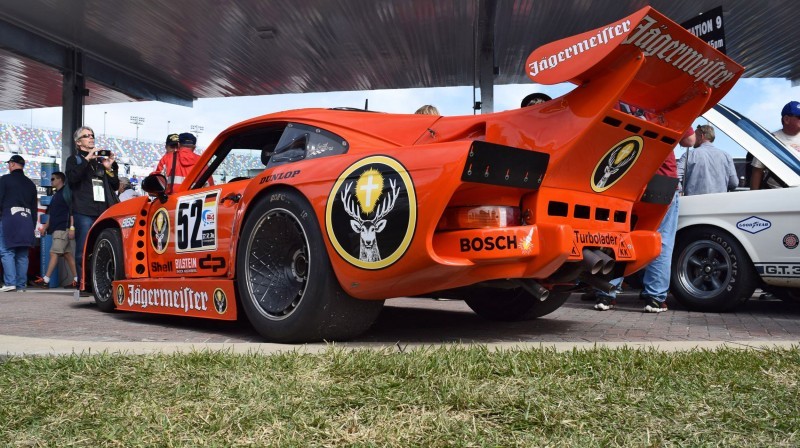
(300, 142)
(243, 155)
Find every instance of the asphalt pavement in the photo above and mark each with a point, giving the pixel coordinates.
(54, 322)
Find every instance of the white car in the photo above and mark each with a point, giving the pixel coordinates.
(729, 244)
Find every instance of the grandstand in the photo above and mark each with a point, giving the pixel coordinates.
(39, 145)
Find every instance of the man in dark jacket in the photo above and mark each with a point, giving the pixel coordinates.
(19, 210)
(92, 177)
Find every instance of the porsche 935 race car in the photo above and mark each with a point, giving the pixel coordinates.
(324, 214)
(729, 244)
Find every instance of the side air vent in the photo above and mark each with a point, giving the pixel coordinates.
(555, 208)
(650, 134)
(612, 121)
(668, 140)
(632, 128)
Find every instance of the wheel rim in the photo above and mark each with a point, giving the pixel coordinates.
(278, 264)
(105, 268)
(704, 269)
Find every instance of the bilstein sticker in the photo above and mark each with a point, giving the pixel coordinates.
(371, 213)
(616, 163)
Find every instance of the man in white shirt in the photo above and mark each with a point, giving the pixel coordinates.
(789, 135)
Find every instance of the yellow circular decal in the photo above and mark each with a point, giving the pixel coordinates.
(220, 301)
(120, 295)
(371, 212)
(616, 162)
(159, 230)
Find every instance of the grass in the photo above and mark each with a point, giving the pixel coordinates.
(433, 397)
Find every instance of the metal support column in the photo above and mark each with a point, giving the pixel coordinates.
(73, 92)
(486, 65)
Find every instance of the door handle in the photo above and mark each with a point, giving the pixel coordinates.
(235, 197)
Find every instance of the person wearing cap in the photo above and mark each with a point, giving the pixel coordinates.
(176, 164)
(126, 190)
(789, 135)
(18, 203)
(60, 226)
(93, 180)
(170, 146)
(706, 169)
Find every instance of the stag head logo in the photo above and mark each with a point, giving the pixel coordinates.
(159, 230)
(615, 163)
(371, 212)
(369, 188)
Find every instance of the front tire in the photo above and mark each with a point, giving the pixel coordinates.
(287, 287)
(711, 271)
(511, 305)
(107, 266)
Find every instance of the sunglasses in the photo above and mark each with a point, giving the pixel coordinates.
(87, 136)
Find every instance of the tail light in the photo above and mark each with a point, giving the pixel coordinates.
(487, 216)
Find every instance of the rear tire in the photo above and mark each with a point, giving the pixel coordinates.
(510, 305)
(287, 287)
(711, 271)
(107, 266)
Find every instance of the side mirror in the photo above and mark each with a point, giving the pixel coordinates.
(156, 185)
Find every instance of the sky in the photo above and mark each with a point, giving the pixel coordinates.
(760, 99)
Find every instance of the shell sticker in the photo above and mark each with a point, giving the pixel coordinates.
(371, 213)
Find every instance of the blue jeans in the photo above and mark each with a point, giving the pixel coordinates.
(656, 275)
(82, 225)
(15, 264)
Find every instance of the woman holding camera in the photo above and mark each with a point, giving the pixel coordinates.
(92, 179)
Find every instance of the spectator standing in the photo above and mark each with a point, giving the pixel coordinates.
(656, 275)
(19, 210)
(789, 135)
(176, 164)
(427, 110)
(170, 146)
(706, 169)
(93, 181)
(60, 226)
(126, 190)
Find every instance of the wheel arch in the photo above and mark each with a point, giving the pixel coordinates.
(722, 226)
(91, 239)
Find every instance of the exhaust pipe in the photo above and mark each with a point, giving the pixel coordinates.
(592, 261)
(534, 288)
(608, 262)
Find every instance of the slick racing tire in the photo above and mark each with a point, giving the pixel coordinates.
(107, 266)
(287, 287)
(711, 271)
(511, 305)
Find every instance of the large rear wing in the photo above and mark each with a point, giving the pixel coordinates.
(673, 75)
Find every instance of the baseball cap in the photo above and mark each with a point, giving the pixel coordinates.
(791, 108)
(187, 139)
(16, 158)
(172, 139)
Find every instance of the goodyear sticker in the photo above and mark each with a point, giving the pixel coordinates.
(616, 163)
(371, 212)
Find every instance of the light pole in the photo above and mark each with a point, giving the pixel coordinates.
(137, 121)
(168, 127)
(196, 129)
(104, 124)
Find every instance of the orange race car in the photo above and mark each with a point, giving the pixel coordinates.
(317, 216)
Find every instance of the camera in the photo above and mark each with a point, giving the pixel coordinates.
(103, 153)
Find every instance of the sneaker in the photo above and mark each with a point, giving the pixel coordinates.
(605, 304)
(40, 283)
(7, 288)
(654, 306)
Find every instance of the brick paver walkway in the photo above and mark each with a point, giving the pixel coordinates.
(55, 315)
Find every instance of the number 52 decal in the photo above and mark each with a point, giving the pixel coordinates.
(196, 222)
